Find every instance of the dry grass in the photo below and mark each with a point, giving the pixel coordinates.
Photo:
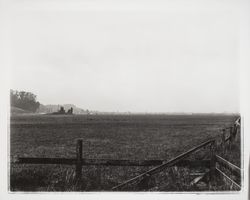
(111, 137)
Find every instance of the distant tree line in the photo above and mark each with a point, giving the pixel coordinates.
(24, 100)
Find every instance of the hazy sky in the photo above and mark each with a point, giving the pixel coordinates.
(139, 56)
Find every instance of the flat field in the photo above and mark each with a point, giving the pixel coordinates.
(134, 137)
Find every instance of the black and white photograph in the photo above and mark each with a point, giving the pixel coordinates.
(126, 97)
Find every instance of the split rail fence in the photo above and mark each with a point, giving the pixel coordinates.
(216, 163)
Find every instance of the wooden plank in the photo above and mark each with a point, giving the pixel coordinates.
(170, 163)
(221, 161)
(228, 138)
(102, 162)
(56, 161)
(197, 174)
(201, 177)
(228, 179)
(108, 162)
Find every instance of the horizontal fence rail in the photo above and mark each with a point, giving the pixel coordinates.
(228, 179)
(107, 162)
(233, 168)
(104, 162)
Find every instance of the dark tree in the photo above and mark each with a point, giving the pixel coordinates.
(24, 100)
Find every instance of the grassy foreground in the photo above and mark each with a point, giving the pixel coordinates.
(136, 137)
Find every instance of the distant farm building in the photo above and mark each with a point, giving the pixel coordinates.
(62, 111)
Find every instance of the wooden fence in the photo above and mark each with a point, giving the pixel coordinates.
(79, 161)
(215, 163)
(236, 171)
(160, 168)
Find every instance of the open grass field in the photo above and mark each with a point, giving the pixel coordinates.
(135, 137)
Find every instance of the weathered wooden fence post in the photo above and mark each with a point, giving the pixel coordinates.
(234, 131)
(223, 141)
(212, 163)
(78, 160)
(231, 137)
(236, 128)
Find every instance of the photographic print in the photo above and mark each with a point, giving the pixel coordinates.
(125, 96)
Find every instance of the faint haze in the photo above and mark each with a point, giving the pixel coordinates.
(138, 56)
